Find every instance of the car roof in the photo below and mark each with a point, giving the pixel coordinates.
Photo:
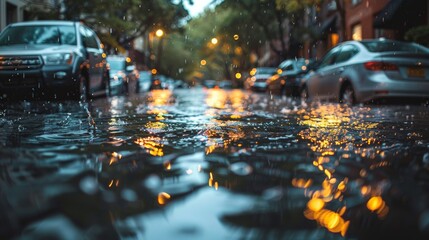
(360, 42)
(44, 22)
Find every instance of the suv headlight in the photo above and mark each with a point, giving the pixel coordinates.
(58, 59)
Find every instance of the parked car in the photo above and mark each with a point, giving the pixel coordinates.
(288, 77)
(145, 80)
(58, 58)
(257, 80)
(226, 84)
(122, 74)
(209, 83)
(362, 71)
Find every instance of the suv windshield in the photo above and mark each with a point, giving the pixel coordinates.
(392, 46)
(36, 35)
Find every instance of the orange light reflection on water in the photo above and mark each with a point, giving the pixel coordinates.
(222, 133)
(152, 145)
(333, 128)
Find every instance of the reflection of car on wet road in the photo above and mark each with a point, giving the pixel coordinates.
(288, 77)
(234, 157)
(122, 74)
(40, 58)
(370, 70)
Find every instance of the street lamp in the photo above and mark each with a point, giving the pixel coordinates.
(159, 33)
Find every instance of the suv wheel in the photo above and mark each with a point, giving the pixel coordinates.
(80, 91)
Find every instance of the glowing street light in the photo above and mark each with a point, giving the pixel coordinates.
(203, 62)
(214, 41)
(159, 33)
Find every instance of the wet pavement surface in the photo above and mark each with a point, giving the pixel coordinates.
(213, 164)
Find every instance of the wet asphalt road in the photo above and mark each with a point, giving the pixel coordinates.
(213, 164)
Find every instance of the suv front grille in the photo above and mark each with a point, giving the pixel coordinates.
(20, 62)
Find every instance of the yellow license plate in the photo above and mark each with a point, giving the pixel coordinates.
(416, 72)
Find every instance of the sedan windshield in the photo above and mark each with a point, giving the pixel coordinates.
(37, 35)
(392, 46)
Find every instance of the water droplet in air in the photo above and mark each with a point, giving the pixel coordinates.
(241, 168)
(89, 185)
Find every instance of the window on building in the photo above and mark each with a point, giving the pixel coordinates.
(357, 32)
(11, 13)
(333, 39)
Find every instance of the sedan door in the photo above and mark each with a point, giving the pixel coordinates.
(321, 83)
(339, 69)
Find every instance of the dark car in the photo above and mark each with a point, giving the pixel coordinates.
(368, 70)
(59, 58)
(288, 78)
(257, 80)
(122, 74)
(226, 84)
(209, 83)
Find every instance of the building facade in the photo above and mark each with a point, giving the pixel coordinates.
(11, 11)
(365, 19)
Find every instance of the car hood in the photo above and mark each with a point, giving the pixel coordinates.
(35, 49)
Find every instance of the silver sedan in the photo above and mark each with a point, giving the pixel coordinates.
(363, 71)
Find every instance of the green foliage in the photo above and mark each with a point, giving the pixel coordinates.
(176, 56)
(118, 22)
(419, 35)
(292, 6)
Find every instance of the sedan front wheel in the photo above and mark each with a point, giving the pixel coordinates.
(81, 90)
(348, 95)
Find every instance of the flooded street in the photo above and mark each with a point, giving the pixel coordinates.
(213, 164)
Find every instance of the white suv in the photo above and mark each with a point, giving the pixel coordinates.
(63, 59)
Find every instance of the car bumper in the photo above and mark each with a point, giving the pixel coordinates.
(48, 77)
(379, 87)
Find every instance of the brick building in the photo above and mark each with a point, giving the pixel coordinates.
(384, 18)
(366, 19)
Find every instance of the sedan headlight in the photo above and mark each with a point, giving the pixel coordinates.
(58, 59)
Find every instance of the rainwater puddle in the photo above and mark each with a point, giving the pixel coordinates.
(213, 164)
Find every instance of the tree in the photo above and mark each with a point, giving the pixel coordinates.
(268, 17)
(119, 22)
(419, 35)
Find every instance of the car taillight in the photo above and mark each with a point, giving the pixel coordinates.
(380, 66)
